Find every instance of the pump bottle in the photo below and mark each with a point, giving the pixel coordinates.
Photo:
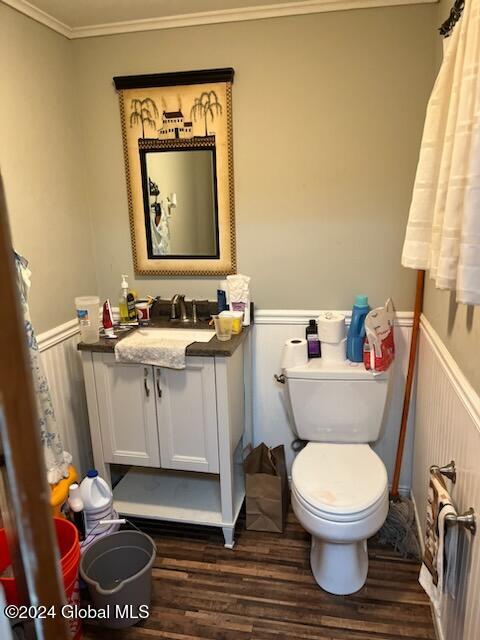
(126, 302)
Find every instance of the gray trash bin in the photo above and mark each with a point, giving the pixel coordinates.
(118, 571)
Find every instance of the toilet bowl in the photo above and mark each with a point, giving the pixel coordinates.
(340, 496)
(339, 484)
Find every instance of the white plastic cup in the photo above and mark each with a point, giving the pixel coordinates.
(223, 327)
(88, 318)
(237, 320)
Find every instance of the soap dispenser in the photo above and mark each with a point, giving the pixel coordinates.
(126, 302)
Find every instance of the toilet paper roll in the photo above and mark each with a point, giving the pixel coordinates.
(331, 327)
(334, 352)
(294, 353)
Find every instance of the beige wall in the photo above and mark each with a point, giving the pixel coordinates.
(328, 112)
(41, 159)
(458, 325)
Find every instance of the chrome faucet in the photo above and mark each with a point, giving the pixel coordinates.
(183, 310)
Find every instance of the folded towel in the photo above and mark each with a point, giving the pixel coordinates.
(433, 569)
(145, 350)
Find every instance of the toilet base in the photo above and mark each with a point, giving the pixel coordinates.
(340, 569)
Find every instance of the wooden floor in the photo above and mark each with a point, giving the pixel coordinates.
(264, 590)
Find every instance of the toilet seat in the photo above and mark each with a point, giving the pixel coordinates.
(339, 482)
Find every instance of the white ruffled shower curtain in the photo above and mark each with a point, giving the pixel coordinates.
(443, 230)
(56, 459)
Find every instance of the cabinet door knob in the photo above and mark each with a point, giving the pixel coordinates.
(159, 391)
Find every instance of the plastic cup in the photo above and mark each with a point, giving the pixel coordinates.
(88, 318)
(223, 327)
(143, 312)
(237, 320)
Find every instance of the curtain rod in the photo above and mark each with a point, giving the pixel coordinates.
(455, 14)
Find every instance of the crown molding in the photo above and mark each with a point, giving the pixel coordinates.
(242, 14)
(38, 15)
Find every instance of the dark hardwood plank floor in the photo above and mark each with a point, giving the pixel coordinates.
(264, 590)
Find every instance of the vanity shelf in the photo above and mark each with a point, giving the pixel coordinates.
(193, 498)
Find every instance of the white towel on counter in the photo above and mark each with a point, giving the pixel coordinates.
(435, 559)
(152, 351)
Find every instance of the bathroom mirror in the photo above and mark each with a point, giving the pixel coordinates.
(180, 201)
(177, 139)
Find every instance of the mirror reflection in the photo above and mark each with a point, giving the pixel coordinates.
(179, 189)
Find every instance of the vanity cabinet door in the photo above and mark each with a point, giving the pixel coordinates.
(187, 416)
(126, 406)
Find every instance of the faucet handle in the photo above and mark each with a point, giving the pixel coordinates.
(194, 312)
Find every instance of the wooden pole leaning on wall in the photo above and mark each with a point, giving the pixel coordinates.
(409, 382)
(26, 508)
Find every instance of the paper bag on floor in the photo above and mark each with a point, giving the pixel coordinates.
(267, 492)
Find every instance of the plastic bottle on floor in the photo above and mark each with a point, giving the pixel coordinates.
(97, 500)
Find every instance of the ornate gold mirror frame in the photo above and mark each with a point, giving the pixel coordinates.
(189, 110)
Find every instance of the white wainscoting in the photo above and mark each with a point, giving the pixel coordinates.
(447, 426)
(270, 422)
(63, 369)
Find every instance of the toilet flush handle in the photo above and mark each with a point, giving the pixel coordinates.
(280, 378)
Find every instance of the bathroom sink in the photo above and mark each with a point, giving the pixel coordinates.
(164, 333)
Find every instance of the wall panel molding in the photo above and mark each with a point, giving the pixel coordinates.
(447, 426)
(271, 423)
(258, 12)
(463, 388)
(52, 337)
(63, 368)
(302, 316)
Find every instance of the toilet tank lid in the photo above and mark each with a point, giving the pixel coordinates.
(320, 369)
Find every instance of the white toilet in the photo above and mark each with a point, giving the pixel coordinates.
(339, 484)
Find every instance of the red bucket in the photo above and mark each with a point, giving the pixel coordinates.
(69, 548)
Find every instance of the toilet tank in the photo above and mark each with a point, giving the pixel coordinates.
(336, 402)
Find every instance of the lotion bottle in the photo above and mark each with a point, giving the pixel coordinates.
(313, 343)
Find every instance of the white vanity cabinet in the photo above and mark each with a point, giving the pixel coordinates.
(181, 432)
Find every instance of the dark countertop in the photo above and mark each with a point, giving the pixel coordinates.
(212, 348)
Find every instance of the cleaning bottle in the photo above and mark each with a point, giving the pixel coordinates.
(75, 504)
(95, 491)
(97, 500)
(126, 302)
(356, 331)
(313, 343)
